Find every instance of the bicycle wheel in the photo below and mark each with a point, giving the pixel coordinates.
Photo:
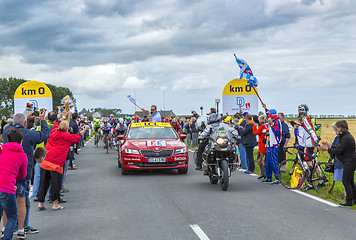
(286, 170)
(322, 181)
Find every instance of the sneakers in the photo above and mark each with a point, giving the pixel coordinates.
(248, 172)
(30, 229)
(346, 204)
(260, 177)
(21, 235)
(72, 168)
(267, 180)
(321, 184)
(276, 182)
(64, 190)
(2, 234)
(199, 168)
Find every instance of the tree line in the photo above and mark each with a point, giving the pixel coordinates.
(8, 87)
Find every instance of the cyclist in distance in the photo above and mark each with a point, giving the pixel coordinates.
(106, 131)
(119, 130)
(96, 126)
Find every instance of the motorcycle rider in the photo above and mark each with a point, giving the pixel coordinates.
(214, 123)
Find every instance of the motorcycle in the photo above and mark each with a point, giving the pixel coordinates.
(219, 158)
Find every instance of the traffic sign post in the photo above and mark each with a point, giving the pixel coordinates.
(33, 91)
(239, 93)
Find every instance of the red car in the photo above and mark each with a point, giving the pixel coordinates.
(152, 145)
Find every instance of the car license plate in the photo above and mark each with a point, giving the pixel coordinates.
(157, 159)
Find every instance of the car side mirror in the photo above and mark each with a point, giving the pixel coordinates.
(121, 137)
(183, 136)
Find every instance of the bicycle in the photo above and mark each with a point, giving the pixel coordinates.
(290, 169)
(96, 139)
(107, 144)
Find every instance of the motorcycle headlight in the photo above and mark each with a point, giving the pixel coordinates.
(131, 151)
(180, 151)
(222, 142)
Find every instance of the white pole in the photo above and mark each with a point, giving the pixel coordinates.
(135, 99)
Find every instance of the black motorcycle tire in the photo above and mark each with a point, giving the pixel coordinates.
(196, 157)
(224, 180)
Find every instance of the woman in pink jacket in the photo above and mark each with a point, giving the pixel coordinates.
(13, 162)
(52, 167)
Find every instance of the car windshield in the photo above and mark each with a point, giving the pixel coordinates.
(151, 133)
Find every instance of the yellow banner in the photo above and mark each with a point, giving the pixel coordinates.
(151, 124)
(238, 87)
(33, 89)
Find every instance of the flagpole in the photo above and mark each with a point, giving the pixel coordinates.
(135, 98)
(258, 95)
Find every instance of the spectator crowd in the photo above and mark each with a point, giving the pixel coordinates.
(37, 148)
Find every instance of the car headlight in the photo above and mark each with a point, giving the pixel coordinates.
(131, 151)
(180, 151)
(222, 142)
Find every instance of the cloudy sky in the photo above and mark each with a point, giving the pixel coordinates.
(301, 51)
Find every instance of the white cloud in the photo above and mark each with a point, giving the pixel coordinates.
(134, 82)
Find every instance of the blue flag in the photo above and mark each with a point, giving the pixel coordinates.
(246, 72)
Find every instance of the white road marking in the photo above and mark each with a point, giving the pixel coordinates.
(198, 231)
(296, 191)
(316, 198)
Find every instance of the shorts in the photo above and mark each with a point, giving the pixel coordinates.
(106, 132)
(96, 129)
(309, 151)
(23, 188)
(338, 173)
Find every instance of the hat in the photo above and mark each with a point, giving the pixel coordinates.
(272, 112)
(29, 103)
(245, 113)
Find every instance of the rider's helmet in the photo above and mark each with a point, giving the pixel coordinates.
(121, 121)
(213, 118)
(105, 120)
(174, 120)
(111, 115)
(303, 108)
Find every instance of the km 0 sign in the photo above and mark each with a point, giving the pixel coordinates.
(36, 92)
(238, 93)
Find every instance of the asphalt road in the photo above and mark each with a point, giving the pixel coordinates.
(103, 204)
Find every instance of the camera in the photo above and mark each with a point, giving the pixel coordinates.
(36, 113)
